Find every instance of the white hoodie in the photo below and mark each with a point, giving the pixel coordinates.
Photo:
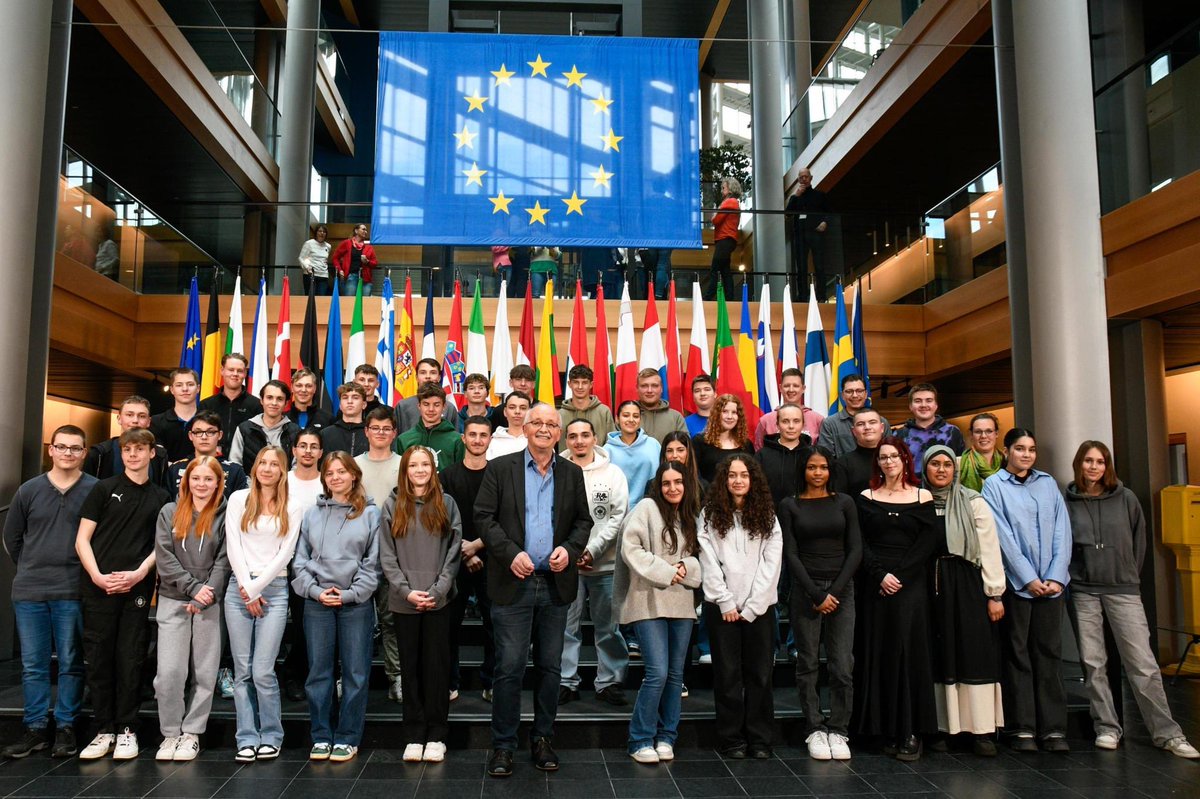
(608, 500)
(740, 573)
(505, 443)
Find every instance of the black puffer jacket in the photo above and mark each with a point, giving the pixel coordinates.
(1109, 537)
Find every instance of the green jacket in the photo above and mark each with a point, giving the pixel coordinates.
(443, 439)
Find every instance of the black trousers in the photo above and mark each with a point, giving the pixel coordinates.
(116, 634)
(720, 269)
(803, 243)
(742, 659)
(295, 664)
(424, 641)
(1034, 697)
(468, 583)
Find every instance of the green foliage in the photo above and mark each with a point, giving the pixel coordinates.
(728, 159)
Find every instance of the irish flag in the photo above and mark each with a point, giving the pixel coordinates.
(653, 356)
(233, 336)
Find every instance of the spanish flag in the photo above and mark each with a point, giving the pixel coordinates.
(210, 380)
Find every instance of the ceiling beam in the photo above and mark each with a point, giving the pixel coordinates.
(349, 13)
(710, 33)
(276, 11)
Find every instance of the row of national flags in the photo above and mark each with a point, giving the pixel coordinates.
(744, 362)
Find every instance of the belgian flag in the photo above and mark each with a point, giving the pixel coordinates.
(210, 380)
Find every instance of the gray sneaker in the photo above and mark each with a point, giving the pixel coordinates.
(225, 683)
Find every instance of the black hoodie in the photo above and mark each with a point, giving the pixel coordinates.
(782, 466)
(1108, 534)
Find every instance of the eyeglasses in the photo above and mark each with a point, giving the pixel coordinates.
(983, 433)
(63, 449)
(854, 392)
(379, 430)
(205, 433)
(886, 458)
(539, 424)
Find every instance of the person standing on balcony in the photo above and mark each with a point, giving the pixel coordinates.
(314, 261)
(543, 266)
(353, 260)
(725, 237)
(808, 212)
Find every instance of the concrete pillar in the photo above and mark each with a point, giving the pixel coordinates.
(297, 109)
(1061, 209)
(266, 65)
(766, 107)
(801, 36)
(706, 111)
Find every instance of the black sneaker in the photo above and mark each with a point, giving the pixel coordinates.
(566, 695)
(32, 741)
(64, 742)
(613, 695)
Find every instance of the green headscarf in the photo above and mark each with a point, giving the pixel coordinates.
(961, 538)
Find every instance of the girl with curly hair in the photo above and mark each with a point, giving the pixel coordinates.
(727, 433)
(741, 550)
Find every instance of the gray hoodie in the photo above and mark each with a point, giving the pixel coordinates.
(185, 565)
(335, 550)
(1108, 536)
(419, 561)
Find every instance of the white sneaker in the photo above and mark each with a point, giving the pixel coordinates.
(339, 687)
(646, 755)
(189, 747)
(166, 750)
(706, 659)
(100, 746)
(1181, 748)
(453, 694)
(818, 745)
(665, 750)
(413, 753)
(127, 745)
(396, 692)
(1107, 740)
(839, 746)
(435, 752)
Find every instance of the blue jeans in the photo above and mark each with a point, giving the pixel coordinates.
(350, 287)
(537, 613)
(57, 622)
(665, 644)
(254, 645)
(351, 628)
(537, 280)
(611, 653)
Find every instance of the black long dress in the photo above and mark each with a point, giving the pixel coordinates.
(893, 663)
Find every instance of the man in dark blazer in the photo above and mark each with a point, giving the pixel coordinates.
(532, 513)
(808, 213)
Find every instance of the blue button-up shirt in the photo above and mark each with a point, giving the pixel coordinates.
(1033, 528)
(539, 513)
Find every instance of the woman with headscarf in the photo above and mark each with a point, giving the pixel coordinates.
(968, 583)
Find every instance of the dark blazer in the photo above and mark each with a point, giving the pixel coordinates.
(500, 519)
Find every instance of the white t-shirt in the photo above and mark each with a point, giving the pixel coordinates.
(379, 477)
(302, 494)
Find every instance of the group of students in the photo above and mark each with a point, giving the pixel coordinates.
(937, 604)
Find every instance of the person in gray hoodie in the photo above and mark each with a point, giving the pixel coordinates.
(271, 428)
(658, 417)
(337, 571)
(608, 497)
(1108, 533)
(420, 546)
(193, 573)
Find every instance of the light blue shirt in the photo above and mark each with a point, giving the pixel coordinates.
(1033, 527)
(539, 513)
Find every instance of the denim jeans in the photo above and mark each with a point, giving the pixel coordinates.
(348, 630)
(611, 653)
(537, 280)
(537, 613)
(254, 644)
(837, 631)
(350, 287)
(56, 623)
(656, 710)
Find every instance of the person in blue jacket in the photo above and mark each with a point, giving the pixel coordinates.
(1035, 541)
(631, 450)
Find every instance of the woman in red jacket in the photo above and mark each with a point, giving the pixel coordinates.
(353, 260)
(725, 237)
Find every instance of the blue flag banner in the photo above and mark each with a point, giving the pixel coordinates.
(497, 139)
(191, 355)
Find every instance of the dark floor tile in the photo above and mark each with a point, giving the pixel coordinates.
(74, 767)
(10, 784)
(925, 795)
(966, 785)
(1052, 761)
(515, 789)
(1001, 762)
(253, 789)
(630, 770)
(696, 769)
(33, 766)
(681, 753)
(582, 755)
(448, 789)
(830, 785)
(328, 770)
(758, 768)
(210, 770)
(1030, 792)
(384, 789)
(1023, 778)
(709, 787)
(806, 765)
(1084, 778)
(269, 770)
(574, 770)
(644, 789)
(580, 789)
(899, 783)
(936, 761)
(188, 788)
(324, 789)
(122, 786)
(54, 786)
(877, 764)
(144, 767)
(773, 786)
(468, 770)
(393, 770)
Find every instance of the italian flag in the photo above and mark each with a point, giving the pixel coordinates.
(477, 358)
(356, 353)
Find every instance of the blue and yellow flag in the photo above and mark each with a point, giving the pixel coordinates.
(191, 355)
(843, 353)
(485, 139)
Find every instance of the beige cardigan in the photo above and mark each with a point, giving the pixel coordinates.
(642, 586)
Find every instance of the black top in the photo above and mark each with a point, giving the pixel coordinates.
(898, 539)
(782, 466)
(232, 413)
(345, 436)
(315, 417)
(812, 204)
(235, 477)
(39, 534)
(852, 471)
(171, 431)
(377, 403)
(104, 460)
(708, 457)
(463, 484)
(821, 541)
(126, 515)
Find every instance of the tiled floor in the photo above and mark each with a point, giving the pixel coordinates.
(1136, 770)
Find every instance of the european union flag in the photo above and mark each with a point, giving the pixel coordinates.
(486, 139)
(191, 354)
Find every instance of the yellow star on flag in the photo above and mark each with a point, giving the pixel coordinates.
(465, 138)
(574, 204)
(475, 175)
(574, 77)
(537, 213)
(192, 342)
(601, 177)
(502, 75)
(474, 102)
(601, 105)
(611, 141)
(539, 67)
(500, 203)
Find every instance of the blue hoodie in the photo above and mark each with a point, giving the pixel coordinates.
(638, 460)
